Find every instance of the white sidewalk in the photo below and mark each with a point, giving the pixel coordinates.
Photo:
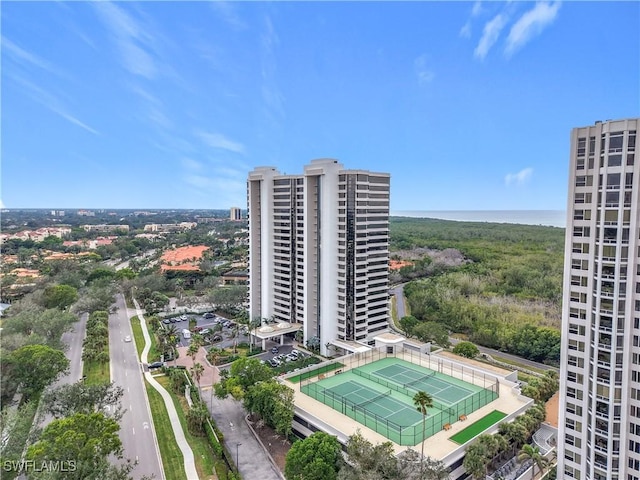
(187, 453)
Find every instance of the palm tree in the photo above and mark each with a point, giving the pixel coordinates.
(196, 342)
(422, 401)
(197, 370)
(529, 452)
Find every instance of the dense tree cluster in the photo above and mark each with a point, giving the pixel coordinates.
(319, 457)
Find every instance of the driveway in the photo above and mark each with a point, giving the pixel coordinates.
(252, 460)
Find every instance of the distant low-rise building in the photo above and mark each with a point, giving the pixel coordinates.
(105, 228)
(37, 235)
(235, 277)
(170, 227)
(86, 213)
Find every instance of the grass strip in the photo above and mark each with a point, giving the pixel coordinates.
(96, 372)
(202, 452)
(325, 368)
(172, 459)
(138, 336)
(476, 428)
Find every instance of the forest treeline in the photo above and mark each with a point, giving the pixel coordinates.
(506, 296)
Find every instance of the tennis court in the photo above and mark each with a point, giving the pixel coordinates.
(380, 395)
(382, 404)
(419, 380)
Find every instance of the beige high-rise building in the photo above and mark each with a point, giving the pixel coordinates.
(319, 251)
(235, 214)
(599, 426)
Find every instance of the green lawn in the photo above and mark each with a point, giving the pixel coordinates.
(172, 459)
(96, 373)
(138, 337)
(202, 451)
(317, 371)
(477, 427)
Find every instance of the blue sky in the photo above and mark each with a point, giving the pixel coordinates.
(468, 105)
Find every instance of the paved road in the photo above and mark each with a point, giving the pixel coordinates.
(73, 341)
(398, 291)
(136, 431)
(253, 462)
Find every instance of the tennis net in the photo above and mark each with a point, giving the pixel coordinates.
(413, 382)
(371, 400)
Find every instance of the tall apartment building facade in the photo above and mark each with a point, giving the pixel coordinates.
(235, 214)
(599, 431)
(319, 250)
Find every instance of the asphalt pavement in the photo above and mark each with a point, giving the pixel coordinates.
(252, 460)
(73, 350)
(136, 428)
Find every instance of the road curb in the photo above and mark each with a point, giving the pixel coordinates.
(257, 437)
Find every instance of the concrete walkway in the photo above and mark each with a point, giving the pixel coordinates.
(187, 453)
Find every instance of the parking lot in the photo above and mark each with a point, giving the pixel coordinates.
(212, 327)
(222, 337)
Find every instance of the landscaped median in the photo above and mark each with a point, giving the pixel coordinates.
(95, 350)
(477, 427)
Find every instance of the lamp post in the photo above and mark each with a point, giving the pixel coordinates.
(237, 464)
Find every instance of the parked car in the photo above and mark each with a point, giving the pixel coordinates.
(166, 321)
(205, 331)
(173, 320)
(197, 329)
(186, 333)
(183, 318)
(226, 324)
(216, 338)
(208, 315)
(274, 362)
(127, 338)
(274, 350)
(155, 365)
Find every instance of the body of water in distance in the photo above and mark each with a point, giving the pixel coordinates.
(550, 218)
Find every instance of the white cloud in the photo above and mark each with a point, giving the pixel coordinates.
(490, 35)
(51, 102)
(465, 31)
(425, 74)
(520, 178)
(128, 35)
(217, 140)
(191, 164)
(477, 9)
(227, 11)
(22, 56)
(2, 204)
(531, 24)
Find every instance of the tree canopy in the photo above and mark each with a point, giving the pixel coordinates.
(317, 457)
(34, 367)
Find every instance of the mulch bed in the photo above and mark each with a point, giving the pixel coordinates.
(276, 444)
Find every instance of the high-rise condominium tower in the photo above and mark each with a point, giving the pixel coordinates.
(235, 214)
(599, 435)
(319, 250)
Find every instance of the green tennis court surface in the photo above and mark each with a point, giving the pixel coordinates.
(380, 395)
(478, 427)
